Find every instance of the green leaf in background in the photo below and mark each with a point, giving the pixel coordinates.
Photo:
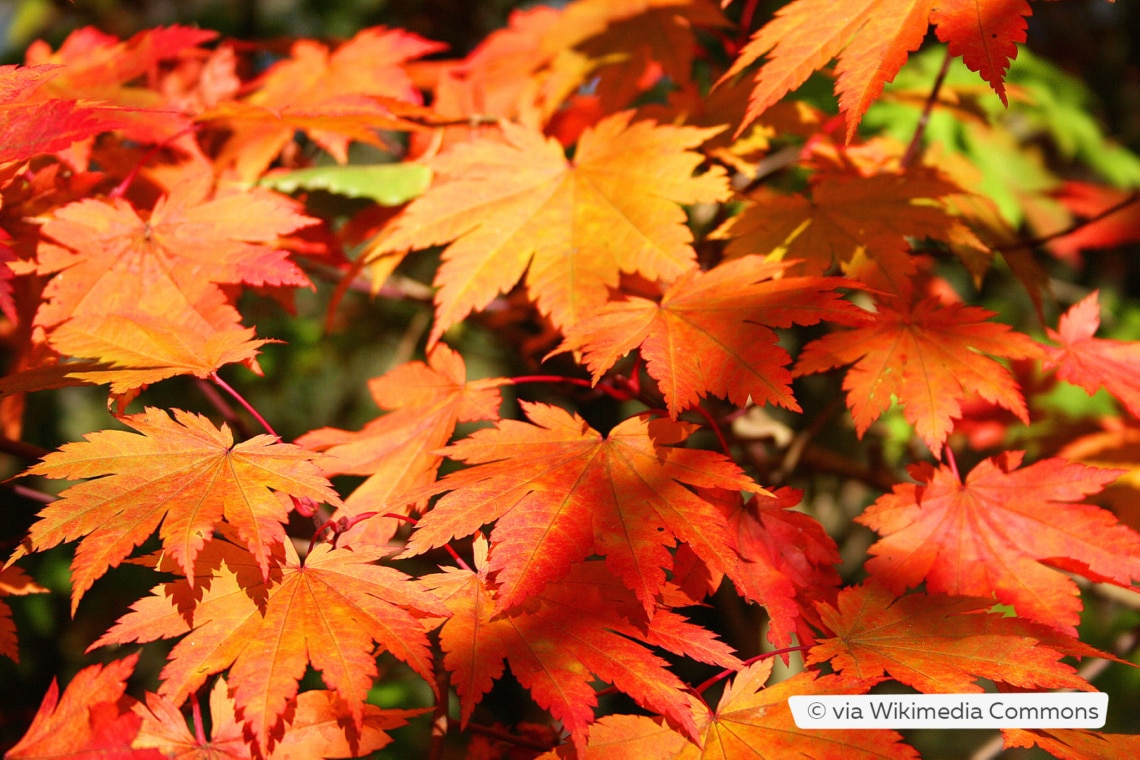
(387, 184)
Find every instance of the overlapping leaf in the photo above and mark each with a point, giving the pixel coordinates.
(93, 718)
(560, 492)
(182, 473)
(573, 628)
(1095, 363)
(928, 356)
(316, 729)
(754, 721)
(399, 450)
(872, 40)
(326, 612)
(336, 97)
(863, 223)
(940, 644)
(1008, 531)
(518, 205)
(33, 122)
(712, 332)
(13, 582)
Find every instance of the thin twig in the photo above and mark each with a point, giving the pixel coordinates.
(1075, 226)
(914, 150)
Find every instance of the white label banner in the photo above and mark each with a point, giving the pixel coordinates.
(1035, 710)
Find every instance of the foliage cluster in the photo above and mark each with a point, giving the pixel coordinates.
(727, 331)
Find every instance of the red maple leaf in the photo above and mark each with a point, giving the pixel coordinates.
(1094, 363)
(1008, 531)
(93, 718)
(560, 492)
(571, 629)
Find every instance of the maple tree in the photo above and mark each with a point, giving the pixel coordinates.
(687, 331)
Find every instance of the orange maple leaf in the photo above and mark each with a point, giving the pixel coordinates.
(928, 356)
(169, 260)
(571, 629)
(1074, 744)
(326, 611)
(560, 492)
(316, 729)
(399, 450)
(572, 226)
(336, 97)
(872, 40)
(712, 332)
(751, 716)
(1094, 363)
(13, 582)
(138, 349)
(940, 644)
(93, 718)
(861, 222)
(1002, 533)
(183, 473)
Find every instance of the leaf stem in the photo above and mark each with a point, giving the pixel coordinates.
(914, 150)
(199, 729)
(953, 463)
(728, 672)
(245, 404)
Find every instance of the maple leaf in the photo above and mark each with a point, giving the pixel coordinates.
(99, 66)
(335, 97)
(518, 205)
(399, 450)
(753, 721)
(326, 611)
(119, 259)
(861, 222)
(999, 532)
(938, 644)
(92, 718)
(712, 332)
(31, 122)
(183, 473)
(560, 491)
(637, 736)
(1094, 363)
(315, 729)
(143, 349)
(1091, 201)
(1074, 744)
(570, 629)
(929, 356)
(872, 40)
(985, 33)
(13, 582)
(787, 561)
